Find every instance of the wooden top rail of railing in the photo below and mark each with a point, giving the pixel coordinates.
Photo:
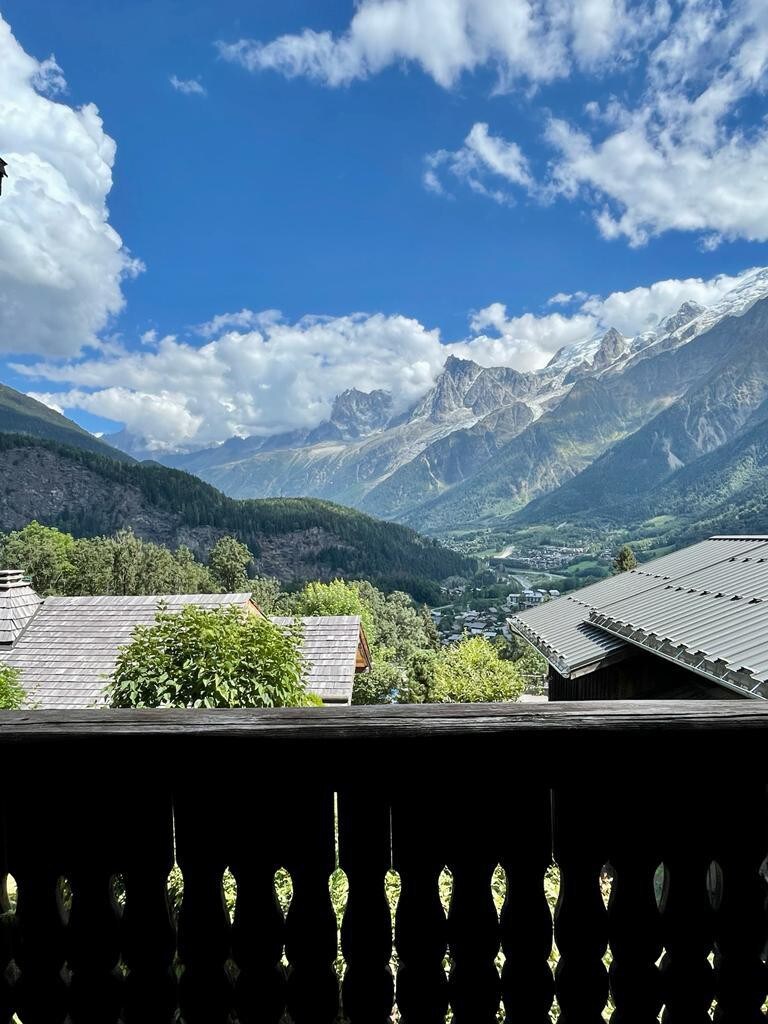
(518, 803)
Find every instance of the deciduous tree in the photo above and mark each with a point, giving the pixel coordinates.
(221, 658)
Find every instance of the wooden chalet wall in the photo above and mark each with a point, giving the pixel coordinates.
(642, 677)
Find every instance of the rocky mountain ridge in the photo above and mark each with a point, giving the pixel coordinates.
(485, 441)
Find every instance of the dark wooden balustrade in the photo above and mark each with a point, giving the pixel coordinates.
(97, 807)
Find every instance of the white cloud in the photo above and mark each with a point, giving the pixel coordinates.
(61, 263)
(275, 376)
(566, 298)
(679, 158)
(188, 86)
(481, 157)
(532, 40)
(243, 320)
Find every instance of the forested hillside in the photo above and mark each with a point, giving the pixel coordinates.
(20, 414)
(293, 539)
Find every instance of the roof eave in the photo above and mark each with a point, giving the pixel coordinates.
(680, 655)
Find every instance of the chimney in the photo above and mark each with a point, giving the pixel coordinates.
(18, 605)
(11, 579)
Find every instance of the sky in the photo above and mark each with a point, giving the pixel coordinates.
(218, 216)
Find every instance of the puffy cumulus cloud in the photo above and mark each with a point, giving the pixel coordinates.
(480, 158)
(61, 263)
(525, 342)
(243, 320)
(276, 377)
(685, 156)
(533, 40)
(279, 376)
(639, 309)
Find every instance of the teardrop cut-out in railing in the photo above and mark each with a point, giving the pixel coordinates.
(284, 889)
(64, 898)
(8, 894)
(175, 886)
(392, 889)
(715, 885)
(338, 887)
(499, 886)
(661, 886)
(117, 892)
(445, 885)
(229, 886)
(606, 882)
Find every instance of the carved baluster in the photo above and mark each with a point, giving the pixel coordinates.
(365, 854)
(94, 944)
(311, 946)
(473, 923)
(634, 924)
(93, 857)
(526, 920)
(36, 828)
(741, 929)
(148, 931)
(201, 816)
(686, 912)
(581, 926)
(421, 935)
(258, 934)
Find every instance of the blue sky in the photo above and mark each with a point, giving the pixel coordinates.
(327, 174)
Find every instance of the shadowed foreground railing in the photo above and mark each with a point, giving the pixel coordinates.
(101, 804)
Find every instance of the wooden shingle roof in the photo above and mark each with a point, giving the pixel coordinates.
(333, 646)
(68, 650)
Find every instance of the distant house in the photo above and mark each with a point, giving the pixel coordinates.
(66, 647)
(692, 624)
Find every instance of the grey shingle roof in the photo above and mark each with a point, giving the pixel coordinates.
(331, 644)
(668, 606)
(69, 649)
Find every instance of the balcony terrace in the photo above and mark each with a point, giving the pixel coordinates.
(101, 805)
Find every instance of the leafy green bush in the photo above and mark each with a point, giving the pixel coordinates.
(12, 693)
(472, 671)
(199, 658)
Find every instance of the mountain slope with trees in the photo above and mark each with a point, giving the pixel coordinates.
(20, 414)
(293, 539)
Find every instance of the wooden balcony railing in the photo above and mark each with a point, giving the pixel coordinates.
(666, 799)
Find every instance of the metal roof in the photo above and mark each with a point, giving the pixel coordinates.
(702, 607)
(68, 650)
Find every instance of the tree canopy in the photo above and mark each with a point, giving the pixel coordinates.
(201, 658)
(472, 671)
(625, 560)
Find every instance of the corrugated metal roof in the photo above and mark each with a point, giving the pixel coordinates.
(68, 651)
(670, 607)
(713, 620)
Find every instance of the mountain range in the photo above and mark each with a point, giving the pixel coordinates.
(614, 430)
